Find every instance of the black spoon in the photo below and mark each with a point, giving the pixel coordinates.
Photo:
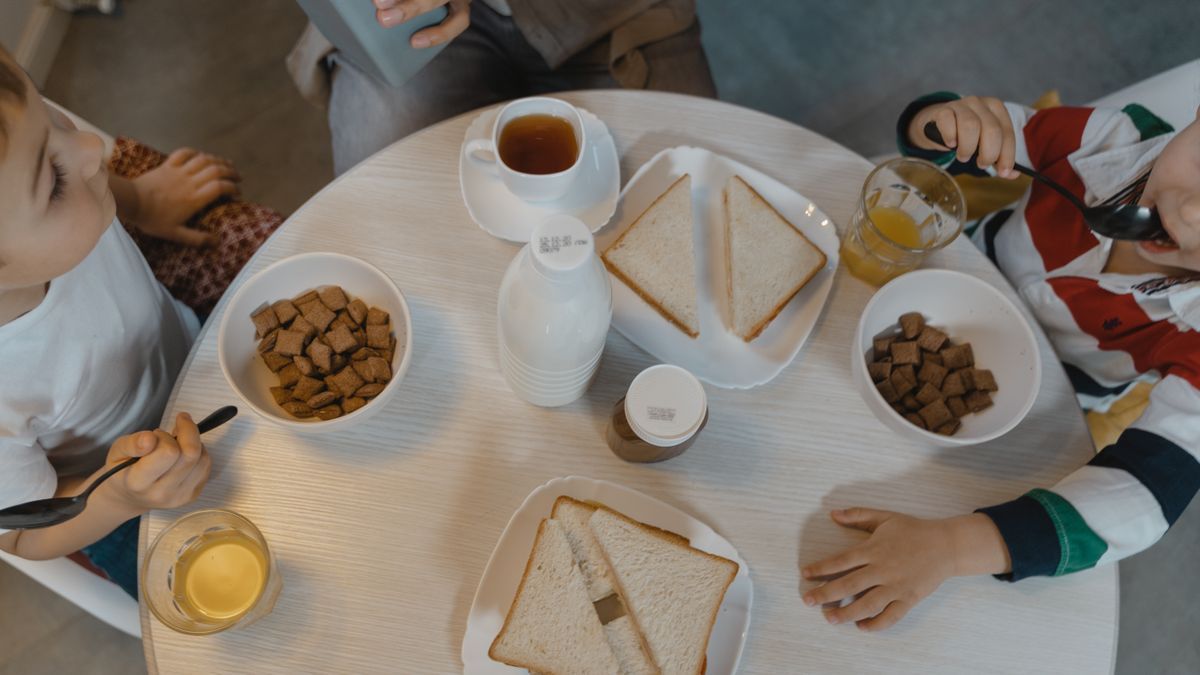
(1117, 221)
(55, 510)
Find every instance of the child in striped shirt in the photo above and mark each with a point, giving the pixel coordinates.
(1117, 312)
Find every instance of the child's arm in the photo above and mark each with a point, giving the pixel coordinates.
(171, 473)
(161, 201)
(904, 560)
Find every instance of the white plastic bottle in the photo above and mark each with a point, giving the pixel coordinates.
(553, 314)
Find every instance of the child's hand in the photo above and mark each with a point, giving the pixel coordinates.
(969, 125)
(171, 472)
(904, 560)
(1180, 213)
(169, 195)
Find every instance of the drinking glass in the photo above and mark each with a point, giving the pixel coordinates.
(908, 208)
(210, 571)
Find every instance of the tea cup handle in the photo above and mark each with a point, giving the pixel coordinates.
(482, 152)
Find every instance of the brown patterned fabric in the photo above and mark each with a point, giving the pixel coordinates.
(197, 277)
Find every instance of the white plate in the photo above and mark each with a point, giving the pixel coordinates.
(500, 579)
(592, 199)
(718, 356)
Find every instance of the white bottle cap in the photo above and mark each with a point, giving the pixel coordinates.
(665, 405)
(560, 244)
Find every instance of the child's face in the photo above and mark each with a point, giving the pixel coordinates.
(54, 188)
(1174, 188)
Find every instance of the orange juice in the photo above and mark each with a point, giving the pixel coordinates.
(220, 576)
(881, 253)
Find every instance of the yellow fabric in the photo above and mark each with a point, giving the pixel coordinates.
(1106, 427)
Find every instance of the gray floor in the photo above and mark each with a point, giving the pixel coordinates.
(210, 74)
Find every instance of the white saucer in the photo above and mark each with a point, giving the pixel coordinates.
(593, 198)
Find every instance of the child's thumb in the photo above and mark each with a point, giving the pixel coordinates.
(860, 518)
(143, 442)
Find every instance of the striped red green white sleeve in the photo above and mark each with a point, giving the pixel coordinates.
(1118, 504)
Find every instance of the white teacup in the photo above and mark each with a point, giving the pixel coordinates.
(529, 186)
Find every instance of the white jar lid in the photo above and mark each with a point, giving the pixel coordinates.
(665, 405)
(560, 244)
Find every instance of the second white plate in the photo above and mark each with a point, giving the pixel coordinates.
(718, 356)
(498, 586)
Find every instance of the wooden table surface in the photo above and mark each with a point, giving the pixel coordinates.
(383, 532)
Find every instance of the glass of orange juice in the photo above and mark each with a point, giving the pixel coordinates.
(210, 571)
(908, 208)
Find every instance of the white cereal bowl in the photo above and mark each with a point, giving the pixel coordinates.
(237, 348)
(968, 310)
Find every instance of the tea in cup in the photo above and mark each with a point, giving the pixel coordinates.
(536, 148)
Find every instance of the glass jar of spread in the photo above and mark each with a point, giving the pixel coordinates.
(659, 417)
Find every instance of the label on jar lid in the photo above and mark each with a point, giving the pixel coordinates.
(665, 405)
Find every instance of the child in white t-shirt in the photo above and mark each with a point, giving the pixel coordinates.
(90, 342)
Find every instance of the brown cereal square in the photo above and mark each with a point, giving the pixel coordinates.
(357, 310)
(387, 354)
(901, 384)
(303, 325)
(934, 358)
(907, 372)
(932, 339)
(353, 403)
(322, 399)
(888, 392)
(321, 355)
(978, 400)
(317, 314)
(879, 371)
(363, 353)
(307, 387)
(360, 336)
(347, 382)
(957, 406)
(364, 370)
(958, 356)
(265, 321)
(967, 379)
(338, 362)
(906, 353)
(285, 311)
(983, 379)
(333, 297)
(380, 369)
(304, 365)
(281, 395)
(932, 373)
(275, 361)
(949, 428)
(928, 394)
(379, 336)
(377, 317)
(329, 412)
(881, 347)
(305, 298)
(268, 343)
(911, 324)
(290, 343)
(340, 339)
(915, 419)
(935, 414)
(369, 390)
(288, 375)
(910, 403)
(297, 409)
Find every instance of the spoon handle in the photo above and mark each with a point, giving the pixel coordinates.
(215, 419)
(932, 133)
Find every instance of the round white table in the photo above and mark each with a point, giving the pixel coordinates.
(383, 532)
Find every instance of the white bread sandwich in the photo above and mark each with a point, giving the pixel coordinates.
(552, 626)
(655, 258)
(672, 592)
(768, 260)
(627, 644)
(573, 515)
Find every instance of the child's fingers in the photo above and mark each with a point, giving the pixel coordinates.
(843, 587)
(196, 478)
(181, 156)
(870, 604)
(968, 130)
(153, 466)
(454, 24)
(860, 518)
(214, 189)
(991, 135)
(133, 445)
(187, 440)
(842, 562)
(215, 171)
(887, 618)
(1008, 148)
(947, 126)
